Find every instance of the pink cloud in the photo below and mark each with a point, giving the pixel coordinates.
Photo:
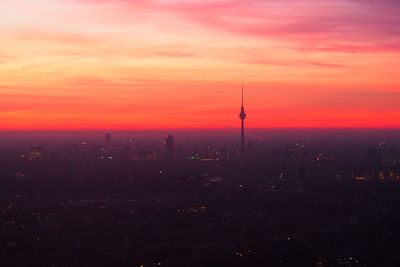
(337, 25)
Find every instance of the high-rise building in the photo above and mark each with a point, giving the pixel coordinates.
(108, 139)
(169, 147)
(36, 152)
(242, 117)
(250, 146)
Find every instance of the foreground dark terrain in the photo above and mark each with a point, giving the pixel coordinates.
(294, 204)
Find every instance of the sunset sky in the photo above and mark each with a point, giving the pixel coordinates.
(146, 64)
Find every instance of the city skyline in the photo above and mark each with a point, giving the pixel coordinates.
(152, 64)
(200, 133)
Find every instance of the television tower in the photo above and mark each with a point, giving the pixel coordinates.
(242, 117)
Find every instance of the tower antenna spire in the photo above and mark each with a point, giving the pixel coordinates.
(242, 95)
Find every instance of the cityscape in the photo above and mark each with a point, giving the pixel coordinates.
(215, 133)
(294, 201)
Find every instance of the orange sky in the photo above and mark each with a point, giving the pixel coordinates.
(120, 64)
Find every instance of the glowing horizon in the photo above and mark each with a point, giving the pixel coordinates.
(152, 64)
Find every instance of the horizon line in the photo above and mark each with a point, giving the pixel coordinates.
(199, 129)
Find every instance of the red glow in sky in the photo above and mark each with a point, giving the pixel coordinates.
(96, 64)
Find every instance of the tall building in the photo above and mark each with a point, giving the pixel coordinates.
(169, 147)
(108, 139)
(242, 117)
(36, 152)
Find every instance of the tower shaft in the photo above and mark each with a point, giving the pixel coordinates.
(242, 117)
(242, 138)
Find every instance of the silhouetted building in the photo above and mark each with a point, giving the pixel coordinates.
(36, 152)
(372, 156)
(144, 154)
(301, 172)
(108, 139)
(169, 147)
(250, 146)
